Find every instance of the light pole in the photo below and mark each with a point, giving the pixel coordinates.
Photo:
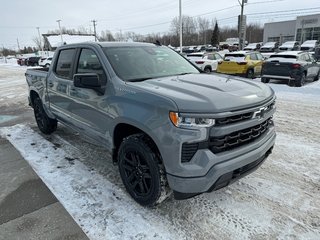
(180, 23)
(58, 21)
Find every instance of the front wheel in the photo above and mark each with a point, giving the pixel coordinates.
(45, 124)
(250, 74)
(265, 80)
(141, 170)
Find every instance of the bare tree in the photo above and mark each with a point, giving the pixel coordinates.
(106, 36)
(203, 25)
(37, 41)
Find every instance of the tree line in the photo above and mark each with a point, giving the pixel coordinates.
(196, 31)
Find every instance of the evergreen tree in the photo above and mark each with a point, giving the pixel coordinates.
(215, 35)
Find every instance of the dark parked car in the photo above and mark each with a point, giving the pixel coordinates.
(21, 61)
(294, 66)
(32, 61)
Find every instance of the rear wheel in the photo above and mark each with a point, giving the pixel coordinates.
(300, 82)
(250, 74)
(207, 69)
(141, 170)
(45, 124)
(265, 80)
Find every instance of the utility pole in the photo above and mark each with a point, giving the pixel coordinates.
(41, 47)
(242, 25)
(18, 45)
(94, 29)
(180, 23)
(58, 21)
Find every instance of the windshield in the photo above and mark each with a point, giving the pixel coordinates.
(138, 63)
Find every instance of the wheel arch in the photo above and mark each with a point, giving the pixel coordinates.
(123, 130)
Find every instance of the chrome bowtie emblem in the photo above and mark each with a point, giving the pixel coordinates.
(260, 113)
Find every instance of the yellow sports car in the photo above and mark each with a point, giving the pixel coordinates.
(247, 64)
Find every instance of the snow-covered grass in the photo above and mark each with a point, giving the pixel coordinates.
(281, 200)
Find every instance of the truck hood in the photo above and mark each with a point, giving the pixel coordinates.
(208, 93)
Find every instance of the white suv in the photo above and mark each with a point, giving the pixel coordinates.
(45, 62)
(207, 62)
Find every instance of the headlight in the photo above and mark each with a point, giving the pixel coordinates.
(190, 122)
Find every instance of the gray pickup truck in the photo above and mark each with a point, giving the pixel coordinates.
(170, 127)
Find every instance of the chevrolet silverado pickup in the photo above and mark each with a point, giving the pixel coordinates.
(170, 128)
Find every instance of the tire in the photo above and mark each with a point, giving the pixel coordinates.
(45, 124)
(250, 74)
(141, 170)
(300, 82)
(265, 80)
(316, 78)
(207, 70)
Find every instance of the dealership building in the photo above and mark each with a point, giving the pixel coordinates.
(302, 29)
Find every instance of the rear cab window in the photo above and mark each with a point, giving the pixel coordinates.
(64, 64)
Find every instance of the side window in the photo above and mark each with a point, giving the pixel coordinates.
(89, 63)
(259, 56)
(307, 58)
(253, 56)
(217, 56)
(211, 57)
(302, 57)
(64, 63)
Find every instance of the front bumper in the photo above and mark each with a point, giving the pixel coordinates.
(222, 173)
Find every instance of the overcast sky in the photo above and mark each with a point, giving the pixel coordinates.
(20, 18)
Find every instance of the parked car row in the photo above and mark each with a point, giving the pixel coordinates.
(30, 61)
(35, 61)
(295, 67)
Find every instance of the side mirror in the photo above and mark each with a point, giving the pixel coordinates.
(86, 80)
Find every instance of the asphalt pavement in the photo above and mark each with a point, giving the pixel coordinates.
(28, 210)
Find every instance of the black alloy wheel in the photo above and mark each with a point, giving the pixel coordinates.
(140, 169)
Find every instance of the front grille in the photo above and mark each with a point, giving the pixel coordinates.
(240, 117)
(188, 151)
(239, 138)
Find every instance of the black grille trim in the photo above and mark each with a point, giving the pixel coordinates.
(233, 119)
(239, 138)
(188, 151)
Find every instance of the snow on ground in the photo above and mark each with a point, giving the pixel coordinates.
(281, 200)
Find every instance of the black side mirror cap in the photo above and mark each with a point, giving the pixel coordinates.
(86, 80)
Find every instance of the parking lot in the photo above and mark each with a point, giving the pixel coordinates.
(281, 200)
